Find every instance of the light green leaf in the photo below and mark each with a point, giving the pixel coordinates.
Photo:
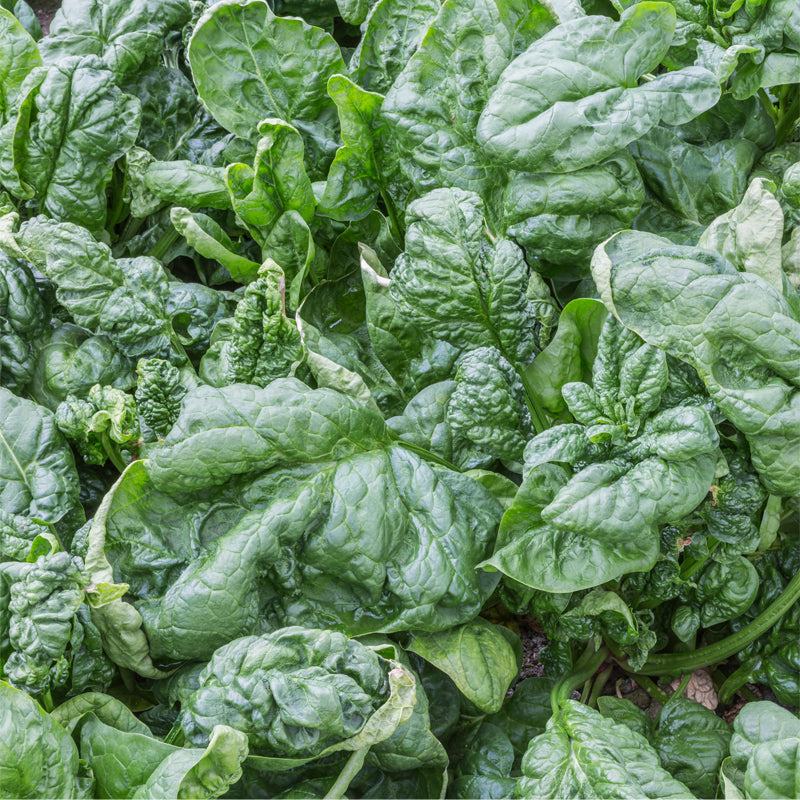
(37, 469)
(569, 356)
(582, 754)
(124, 35)
(211, 241)
(18, 56)
(476, 656)
(361, 170)
(133, 764)
(741, 336)
(750, 235)
(37, 756)
(277, 183)
(538, 120)
(249, 64)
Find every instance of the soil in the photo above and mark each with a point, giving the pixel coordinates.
(45, 10)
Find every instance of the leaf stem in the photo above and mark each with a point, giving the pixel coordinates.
(424, 454)
(768, 105)
(788, 120)
(669, 663)
(770, 523)
(537, 414)
(681, 687)
(161, 247)
(118, 202)
(599, 685)
(652, 689)
(131, 229)
(737, 679)
(692, 565)
(349, 771)
(176, 735)
(584, 668)
(112, 452)
(394, 222)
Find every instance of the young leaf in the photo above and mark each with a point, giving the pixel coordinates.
(476, 655)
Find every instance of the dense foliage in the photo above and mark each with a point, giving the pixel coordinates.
(338, 336)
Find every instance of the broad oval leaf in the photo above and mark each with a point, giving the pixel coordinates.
(37, 468)
(249, 64)
(572, 99)
(476, 655)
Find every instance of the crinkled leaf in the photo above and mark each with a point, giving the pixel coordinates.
(249, 64)
(697, 181)
(583, 754)
(538, 120)
(265, 344)
(124, 35)
(424, 423)
(19, 57)
(297, 693)
(457, 284)
(73, 361)
(691, 742)
(67, 164)
(393, 31)
(435, 102)
(22, 324)
(562, 216)
(37, 469)
(37, 756)
(341, 514)
(488, 406)
(741, 336)
(123, 298)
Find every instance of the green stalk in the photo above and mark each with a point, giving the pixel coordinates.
(394, 222)
(737, 679)
(131, 229)
(651, 688)
(584, 668)
(599, 685)
(350, 770)
(423, 453)
(692, 565)
(768, 105)
(770, 523)
(681, 688)
(112, 452)
(118, 202)
(667, 663)
(160, 248)
(178, 345)
(787, 122)
(538, 416)
(47, 701)
(175, 736)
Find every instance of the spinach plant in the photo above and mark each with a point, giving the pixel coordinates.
(342, 341)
